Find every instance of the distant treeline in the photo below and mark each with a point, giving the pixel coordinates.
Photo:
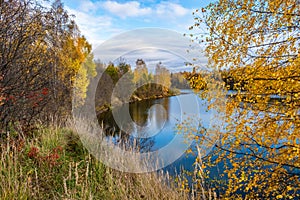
(232, 78)
(146, 85)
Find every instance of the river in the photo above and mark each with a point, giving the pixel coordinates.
(155, 122)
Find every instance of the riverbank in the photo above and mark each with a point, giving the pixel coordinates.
(140, 97)
(52, 163)
(170, 93)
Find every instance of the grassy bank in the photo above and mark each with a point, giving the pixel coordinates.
(51, 163)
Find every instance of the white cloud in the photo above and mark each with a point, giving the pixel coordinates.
(128, 9)
(88, 6)
(152, 45)
(92, 26)
(164, 9)
(170, 10)
(97, 19)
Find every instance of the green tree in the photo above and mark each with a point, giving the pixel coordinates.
(123, 67)
(113, 72)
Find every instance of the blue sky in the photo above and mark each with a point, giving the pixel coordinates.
(102, 20)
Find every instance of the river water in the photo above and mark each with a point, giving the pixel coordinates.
(155, 122)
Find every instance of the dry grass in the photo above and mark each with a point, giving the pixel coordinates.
(53, 164)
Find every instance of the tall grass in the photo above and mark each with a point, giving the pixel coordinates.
(53, 164)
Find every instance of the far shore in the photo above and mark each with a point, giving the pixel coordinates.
(135, 98)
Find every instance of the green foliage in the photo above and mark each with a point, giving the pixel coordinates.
(113, 72)
(139, 78)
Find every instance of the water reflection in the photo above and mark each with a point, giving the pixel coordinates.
(148, 113)
(149, 118)
(156, 123)
(141, 112)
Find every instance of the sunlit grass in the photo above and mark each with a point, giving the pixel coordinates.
(53, 164)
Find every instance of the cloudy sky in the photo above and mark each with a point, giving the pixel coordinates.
(101, 21)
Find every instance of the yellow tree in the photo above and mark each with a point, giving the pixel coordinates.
(140, 72)
(141, 77)
(41, 53)
(162, 77)
(257, 41)
(76, 67)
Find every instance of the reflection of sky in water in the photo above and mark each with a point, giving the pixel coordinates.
(156, 122)
(160, 117)
(162, 120)
(157, 119)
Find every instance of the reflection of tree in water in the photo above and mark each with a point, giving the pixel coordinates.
(139, 110)
(140, 114)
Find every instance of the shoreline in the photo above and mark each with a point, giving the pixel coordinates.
(106, 108)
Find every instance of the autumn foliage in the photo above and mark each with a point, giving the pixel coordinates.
(257, 43)
(41, 54)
